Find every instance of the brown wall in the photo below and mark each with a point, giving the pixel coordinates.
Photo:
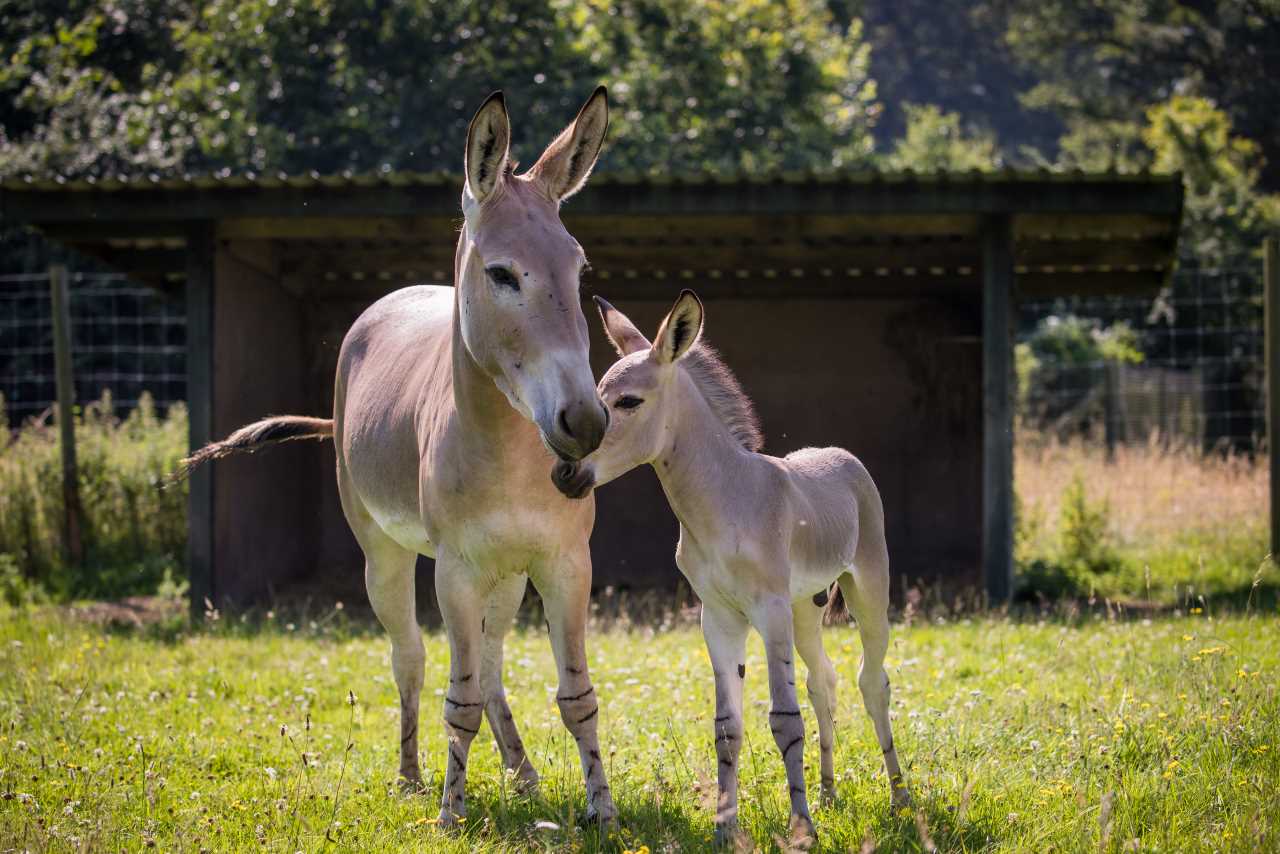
(265, 508)
(898, 382)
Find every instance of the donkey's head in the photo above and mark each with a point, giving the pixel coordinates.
(640, 391)
(519, 273)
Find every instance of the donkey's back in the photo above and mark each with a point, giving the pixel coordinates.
(838, 518)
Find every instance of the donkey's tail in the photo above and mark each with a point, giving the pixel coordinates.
(259, 434)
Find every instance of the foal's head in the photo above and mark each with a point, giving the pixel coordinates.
(641, 390)
(518, 275)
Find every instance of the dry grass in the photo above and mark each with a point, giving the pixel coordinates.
(1153, 493)
(1164, 525)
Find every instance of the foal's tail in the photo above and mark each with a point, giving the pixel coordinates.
(259, 434)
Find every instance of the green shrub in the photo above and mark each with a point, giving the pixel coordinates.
(134, 527)
(1084, 537)
(1083, 550)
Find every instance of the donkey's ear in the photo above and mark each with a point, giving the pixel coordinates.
(681, 329)
(564, 167)
(488, 140)
(623, 335)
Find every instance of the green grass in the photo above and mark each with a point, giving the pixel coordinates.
(1017, 736)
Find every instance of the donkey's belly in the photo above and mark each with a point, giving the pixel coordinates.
(405, 528)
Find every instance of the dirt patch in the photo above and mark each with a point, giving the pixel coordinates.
(132, 612)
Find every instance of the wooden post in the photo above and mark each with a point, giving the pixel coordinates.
(997, 407)
(1271, 278)
(72, 540)
(200, 539)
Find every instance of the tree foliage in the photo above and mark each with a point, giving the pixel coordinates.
(121, 87)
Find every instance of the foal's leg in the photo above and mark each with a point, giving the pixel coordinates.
(462, 606)
(821, 684)
(388, 577)
(725, 632)
(867, 593)
(566, 593)
(774, 621)
(503, 603)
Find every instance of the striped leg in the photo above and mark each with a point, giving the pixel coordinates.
(503, 603)
(462, 607)
(870, 608)
(725, 632)
(774, 621)
(567, 595)
(388, 576)
(821, 684)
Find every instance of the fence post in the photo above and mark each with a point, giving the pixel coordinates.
(1271, 300)
(997, 406)
(72, 543)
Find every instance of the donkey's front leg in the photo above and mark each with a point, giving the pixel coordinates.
(504, 602)
(725, 632)
(774, 620)
(462, 606)
(566, 596)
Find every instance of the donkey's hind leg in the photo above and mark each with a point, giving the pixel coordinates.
(388, 577)
(821, 683)
(866, 591)
(500, 611)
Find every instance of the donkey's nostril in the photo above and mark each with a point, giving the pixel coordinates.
(564, 423)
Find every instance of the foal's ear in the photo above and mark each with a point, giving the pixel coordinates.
(623, 335)
(681, 328)
(564, 167)
(488, 141)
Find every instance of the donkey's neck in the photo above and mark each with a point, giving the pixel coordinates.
(482, 409)
(702, 463)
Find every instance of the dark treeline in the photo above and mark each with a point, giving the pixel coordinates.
(129, 87)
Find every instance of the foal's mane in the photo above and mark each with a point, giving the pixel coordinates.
(724, 394)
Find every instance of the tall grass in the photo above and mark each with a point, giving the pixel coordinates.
(134, 531)
(1151, 521)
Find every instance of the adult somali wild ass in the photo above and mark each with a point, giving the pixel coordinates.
(762, 539)
(450, 407)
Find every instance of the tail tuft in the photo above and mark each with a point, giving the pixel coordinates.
(259, 434)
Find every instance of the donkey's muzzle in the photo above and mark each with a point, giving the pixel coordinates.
(579, 429)
(573, 480)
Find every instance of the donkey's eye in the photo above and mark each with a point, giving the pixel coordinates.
(502, 277)
(627, 402)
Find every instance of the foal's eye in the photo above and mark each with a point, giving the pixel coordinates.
(627, 402)
(502, 277)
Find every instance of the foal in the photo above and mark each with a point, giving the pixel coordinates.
(761, 539)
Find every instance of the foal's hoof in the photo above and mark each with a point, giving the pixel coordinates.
(411, 785)
(449, 820)
(606, 818)
(801, 835)
(899, 799)
(727, 834)
(828, 796)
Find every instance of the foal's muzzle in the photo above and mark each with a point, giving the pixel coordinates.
(573, 479)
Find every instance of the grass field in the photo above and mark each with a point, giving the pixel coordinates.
(1018, 736)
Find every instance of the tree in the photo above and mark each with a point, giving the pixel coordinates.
(1096, 61)
(936, 142)
(122, 87)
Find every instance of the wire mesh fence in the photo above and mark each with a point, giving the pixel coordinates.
(126, 339)
(1183, 368)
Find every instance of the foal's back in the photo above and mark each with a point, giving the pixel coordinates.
(833, 501)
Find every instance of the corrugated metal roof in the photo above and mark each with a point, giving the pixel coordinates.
(229, 180)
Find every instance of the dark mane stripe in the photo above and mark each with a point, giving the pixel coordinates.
(724, 394)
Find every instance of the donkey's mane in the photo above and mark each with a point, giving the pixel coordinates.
(724, 394)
